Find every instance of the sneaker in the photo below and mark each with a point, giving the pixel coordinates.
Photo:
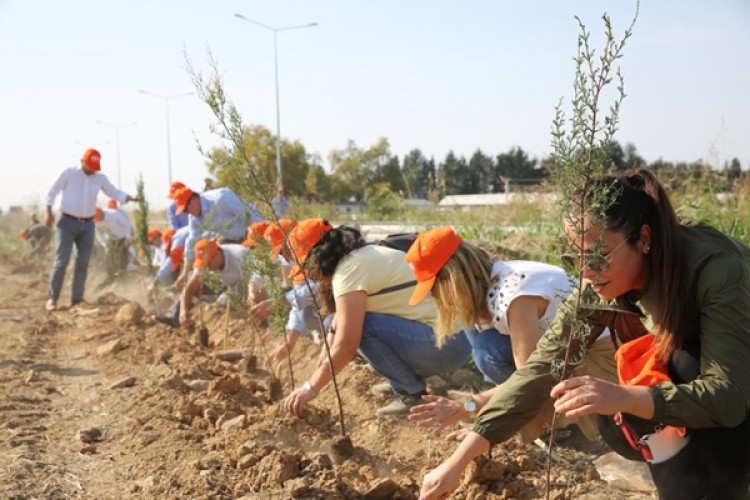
(51, 305)
(400, 405)
(167, 320)
(384, 389)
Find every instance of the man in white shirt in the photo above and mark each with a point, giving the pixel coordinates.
(79, 188)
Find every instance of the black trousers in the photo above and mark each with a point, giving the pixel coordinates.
(714, 465)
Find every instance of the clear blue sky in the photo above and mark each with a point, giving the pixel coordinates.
(434, 75)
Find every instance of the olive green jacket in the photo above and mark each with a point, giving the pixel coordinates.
(719, 269)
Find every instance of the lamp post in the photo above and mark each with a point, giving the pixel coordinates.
(117, 145)
(166, 109)
(276, 71)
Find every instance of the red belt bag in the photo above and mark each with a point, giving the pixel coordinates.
(638, 363)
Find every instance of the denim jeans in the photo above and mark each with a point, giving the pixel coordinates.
(404, 351)
(71, 232)
(493, 354)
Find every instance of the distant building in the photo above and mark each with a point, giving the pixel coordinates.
(420, 203)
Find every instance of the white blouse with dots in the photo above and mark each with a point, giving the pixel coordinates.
(517, 278)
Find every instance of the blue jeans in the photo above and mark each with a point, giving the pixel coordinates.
(404, 351)
(492, 353)
(71, 232)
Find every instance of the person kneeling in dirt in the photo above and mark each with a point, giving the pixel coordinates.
(38, 236)
(470, 288)
(368, 287)
(227, 262)
(682, 402)
(114, 232)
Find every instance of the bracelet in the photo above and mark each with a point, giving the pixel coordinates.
(309, 388)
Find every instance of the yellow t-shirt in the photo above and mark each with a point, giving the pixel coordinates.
(373, 268)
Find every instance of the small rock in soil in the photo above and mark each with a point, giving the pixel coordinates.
(123, 383)
(90, 435)
(383, 490)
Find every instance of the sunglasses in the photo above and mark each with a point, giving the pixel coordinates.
(593, 261)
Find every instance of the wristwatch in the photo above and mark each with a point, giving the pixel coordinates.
(309, 388)
(471, 407)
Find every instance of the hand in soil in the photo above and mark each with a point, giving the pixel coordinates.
(440, 481)
(296, 401)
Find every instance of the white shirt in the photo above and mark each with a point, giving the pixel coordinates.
(117, 223)
(79, 192)
(234, 265)
(517, 278)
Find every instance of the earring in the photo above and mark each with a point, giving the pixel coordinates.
(646, 250)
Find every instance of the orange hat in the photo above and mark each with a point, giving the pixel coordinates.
(23, 234)
(204, 251)
(249, 241)
(91, 158)
(153, 233)
(182, 197)
(304, 237)
(427, 256)
(173, 188)
(259, 228)
(274, 236)
(166, 236)
(98, 215)
(111, 203)
(176, 257)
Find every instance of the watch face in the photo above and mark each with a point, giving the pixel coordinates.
(470, 406)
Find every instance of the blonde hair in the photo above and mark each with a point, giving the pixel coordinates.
(460, 290)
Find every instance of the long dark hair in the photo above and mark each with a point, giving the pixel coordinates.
(325, 256)
(638, 199)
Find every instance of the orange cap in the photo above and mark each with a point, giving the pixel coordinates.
(166, 236)
(259, 228)
(176, 257)
(111, 203)
(92, 159)
(274, 235)
(304, 237)
(427, 256)
(98, 215)
(182, 197)
(153, 233)
(204, 251)
(173, 188)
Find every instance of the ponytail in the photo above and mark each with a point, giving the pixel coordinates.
(641, 200)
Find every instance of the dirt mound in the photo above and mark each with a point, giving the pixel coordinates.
(94, 408)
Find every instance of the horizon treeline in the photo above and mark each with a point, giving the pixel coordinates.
(358, 174)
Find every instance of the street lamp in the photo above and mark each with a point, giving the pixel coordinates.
(166, 108)
(117, 145)
(276, 69)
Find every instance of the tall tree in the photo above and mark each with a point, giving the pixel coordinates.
(355, 169)
(390, 174)
(516, 166)
(317, 183)
(480, 173)
(260, 145)
(453, 173)
(418, 173)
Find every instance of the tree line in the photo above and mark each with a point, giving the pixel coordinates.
(363, 173)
